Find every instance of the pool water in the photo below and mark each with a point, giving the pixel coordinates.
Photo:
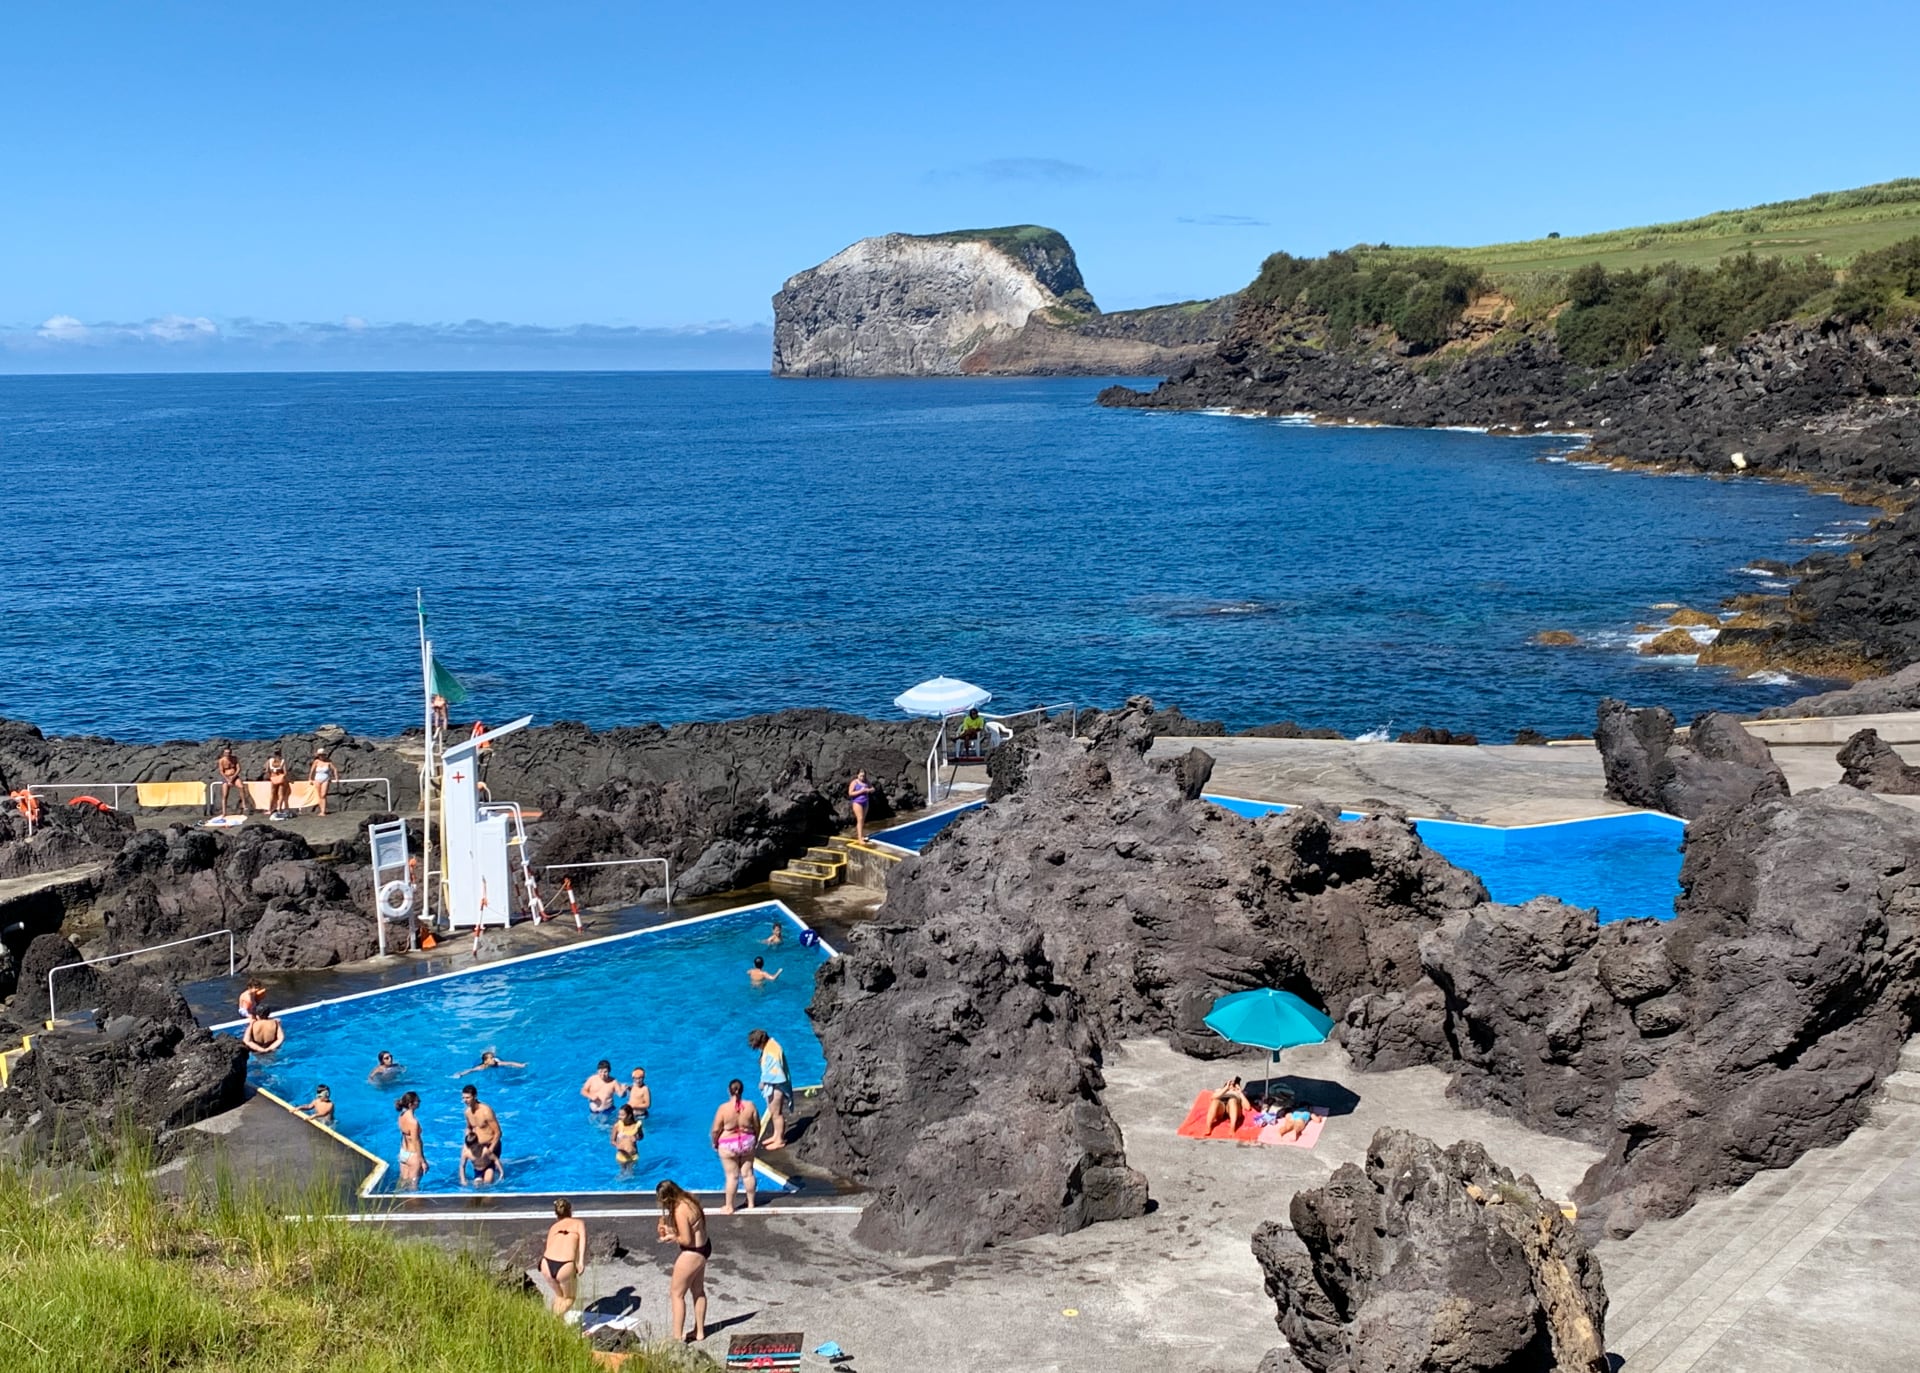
(917, 834)
(676, 1001)
(1620, 866)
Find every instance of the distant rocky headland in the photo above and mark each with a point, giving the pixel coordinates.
(976, 302)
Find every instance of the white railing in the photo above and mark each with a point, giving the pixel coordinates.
(232, 964)
(935, 753)
(1046, 713)
(665, 867)
(384, 783)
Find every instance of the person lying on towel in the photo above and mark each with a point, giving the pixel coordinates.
(1229, 1103)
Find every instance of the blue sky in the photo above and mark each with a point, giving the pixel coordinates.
(208, 185)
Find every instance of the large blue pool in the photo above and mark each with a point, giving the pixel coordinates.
(675, 1001)
(1618, 865)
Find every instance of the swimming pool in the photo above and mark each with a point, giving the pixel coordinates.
(1621, 866)
(674, 1000)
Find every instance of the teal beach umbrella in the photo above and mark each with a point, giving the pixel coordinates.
(1267, 1019)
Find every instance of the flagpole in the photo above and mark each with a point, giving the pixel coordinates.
(426, 774)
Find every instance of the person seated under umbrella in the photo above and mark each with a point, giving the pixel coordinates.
(972, 725)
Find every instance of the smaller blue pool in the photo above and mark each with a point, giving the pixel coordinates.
(675, 1000)
(1620, 866)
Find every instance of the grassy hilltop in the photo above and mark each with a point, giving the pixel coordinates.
(1836, 226)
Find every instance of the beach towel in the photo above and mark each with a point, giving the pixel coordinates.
(300, 795)
(1195, 1127)
(765, 1351)
(220, 822)
(170, 793)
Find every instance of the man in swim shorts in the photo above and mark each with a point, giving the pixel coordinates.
(231, 782)
(774, 1085)
(480, 1118)
(601, 1088)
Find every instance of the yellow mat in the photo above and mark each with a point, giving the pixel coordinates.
(171, 793)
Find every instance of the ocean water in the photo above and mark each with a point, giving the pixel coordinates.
(197, 555)
(676, 1002)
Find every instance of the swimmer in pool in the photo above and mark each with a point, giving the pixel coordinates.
(775, 936)
(489, 1059)
(601, 1088)
(627, 1133)
(386, 1070)
(639, 1095)
(321, 1107)
(758, 974)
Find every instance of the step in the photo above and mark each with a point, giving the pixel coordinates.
(809, 868)
(1695, 1299)
(1664, 1251)
(1910, 1056)
(825, 854)
(789, 880)
(840, 843)
(1903, 1087)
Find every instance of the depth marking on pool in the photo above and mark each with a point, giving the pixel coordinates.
(496, 964)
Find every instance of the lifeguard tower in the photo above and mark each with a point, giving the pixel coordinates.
(479, 839)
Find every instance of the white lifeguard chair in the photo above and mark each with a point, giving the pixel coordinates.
(477, 837)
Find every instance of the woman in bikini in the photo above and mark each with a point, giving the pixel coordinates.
(264, 1033)
(683, 1223)
(858, 792)
(627, 1133)
(1229, 1104)
(322, 775)
(413, 1159)
(565, 1255)
(736, 1133)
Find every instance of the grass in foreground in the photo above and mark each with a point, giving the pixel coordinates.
(113, 1276)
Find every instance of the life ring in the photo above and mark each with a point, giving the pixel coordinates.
(27, 803)
(93, 801)
(395, 900)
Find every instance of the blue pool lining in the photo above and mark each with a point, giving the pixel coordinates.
(493, 964)
(949, 815)
(1217, 796)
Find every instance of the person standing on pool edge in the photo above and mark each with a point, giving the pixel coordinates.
(774, 1085)
(565, 1255)
(859, 790)
(735, 1136)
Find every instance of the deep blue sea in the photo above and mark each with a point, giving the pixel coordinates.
(195, 555)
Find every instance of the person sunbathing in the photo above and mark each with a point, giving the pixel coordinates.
(1289, 1117)
(1229, 1103)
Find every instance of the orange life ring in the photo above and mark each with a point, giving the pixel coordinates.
(93, 801)
(28, 804)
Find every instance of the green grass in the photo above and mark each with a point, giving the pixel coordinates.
(1836, 226)
(110, 1275)
(1006, 237)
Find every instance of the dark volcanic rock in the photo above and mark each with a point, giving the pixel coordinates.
(1753, 1027)
(1433, 734)
(1287, 729)
(1875, 696)
(1430, 1260)
(1097, 900)
(1872, 765)
(148, 1069)
(1719, 767)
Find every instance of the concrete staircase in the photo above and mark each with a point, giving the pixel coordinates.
(1676, 1287)
(823, 868)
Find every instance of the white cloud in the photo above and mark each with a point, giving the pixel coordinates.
(66, 331)
(63, 329)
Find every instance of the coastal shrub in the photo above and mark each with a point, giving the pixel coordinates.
(1881, 285)
(1419, 298)
(1614, 317)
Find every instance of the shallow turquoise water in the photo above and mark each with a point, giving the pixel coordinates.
(675, 1001)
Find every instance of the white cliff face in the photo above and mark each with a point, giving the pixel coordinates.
(900, 306)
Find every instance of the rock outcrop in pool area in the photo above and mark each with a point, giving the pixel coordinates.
(1095, 900)
(1428, 1259)
(1720, 766)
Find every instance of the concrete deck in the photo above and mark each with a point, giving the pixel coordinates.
(1489, 784)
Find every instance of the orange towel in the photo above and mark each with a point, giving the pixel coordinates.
(1195, 1125)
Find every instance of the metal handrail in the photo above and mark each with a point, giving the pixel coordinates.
(1073, 714)
(232, 964)
(666, 867)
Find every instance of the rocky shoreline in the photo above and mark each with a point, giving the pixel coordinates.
(1833, 406)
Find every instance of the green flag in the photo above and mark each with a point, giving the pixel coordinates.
(447, 685)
